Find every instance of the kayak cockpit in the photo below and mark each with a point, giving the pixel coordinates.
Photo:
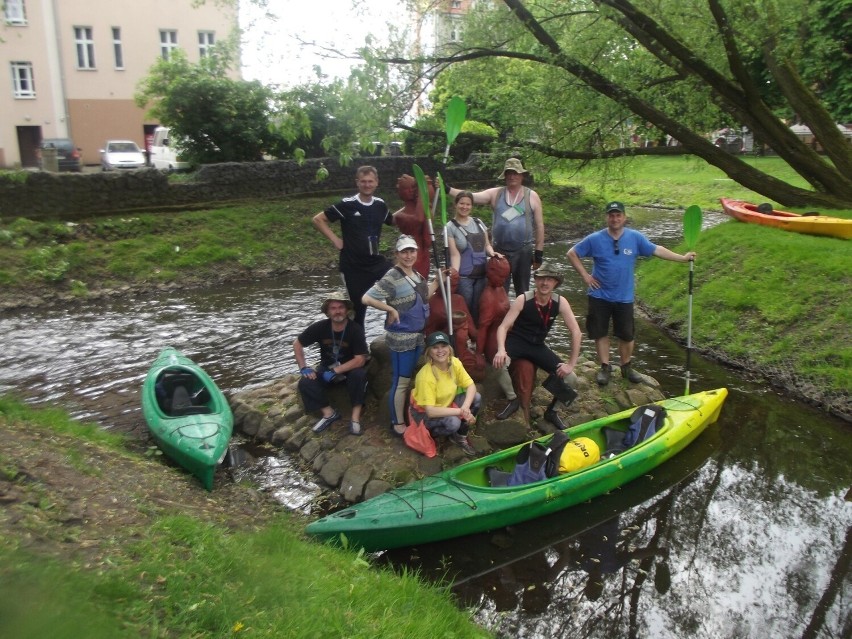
(181, 392)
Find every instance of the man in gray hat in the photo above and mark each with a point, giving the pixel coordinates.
(343, 355)
(522, 333)
(611, 286)
(517, 228)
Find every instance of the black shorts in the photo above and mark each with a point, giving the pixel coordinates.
(600, 312)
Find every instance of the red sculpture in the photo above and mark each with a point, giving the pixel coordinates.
(411, 220)
(493, 306)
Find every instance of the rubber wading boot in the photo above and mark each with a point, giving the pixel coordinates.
(629, 374)
(511, 408)
(603, 375)
(553, 417)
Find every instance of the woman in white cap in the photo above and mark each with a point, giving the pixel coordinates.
(404, 295)
(436, 400)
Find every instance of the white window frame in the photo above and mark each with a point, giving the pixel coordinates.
(15, 12)
(206, 40)
(168, 42)
(117, 48)
(23, 81)
(84, 44)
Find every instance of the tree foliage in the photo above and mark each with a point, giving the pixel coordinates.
(213, 117)
(578, 80)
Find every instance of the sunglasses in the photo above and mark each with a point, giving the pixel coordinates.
(615, 247)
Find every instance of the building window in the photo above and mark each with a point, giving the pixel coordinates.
(456, 4)
(15, 12)
(85, 47)
(116, 48)
(22, 79)
(206, 40)
(168, 42)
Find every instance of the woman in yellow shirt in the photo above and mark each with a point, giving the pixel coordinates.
(445, 397)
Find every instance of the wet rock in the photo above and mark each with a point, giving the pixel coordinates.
(332, 471)
(298, 438)
(505, 433)
(266, 429)
(251, 422)
(281, 435)
(354, 480)
(310, 450)
(376, 487)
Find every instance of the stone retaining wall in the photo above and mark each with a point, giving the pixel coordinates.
(74, 196)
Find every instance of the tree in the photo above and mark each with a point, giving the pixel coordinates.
(213, 117)
(594, 70)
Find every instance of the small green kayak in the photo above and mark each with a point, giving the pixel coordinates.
(188, 415)
(460, 501)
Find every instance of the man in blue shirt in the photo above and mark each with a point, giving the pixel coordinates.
(614, 251)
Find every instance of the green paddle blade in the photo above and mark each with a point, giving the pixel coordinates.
(691, 226)
(443, 198)
(456, 113)
(422, 188)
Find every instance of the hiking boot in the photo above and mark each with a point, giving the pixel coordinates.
(355, 428)
(511, 408)
(553, 417)
(463, 443)
(603, 375)
(629, 374)
(325, 422)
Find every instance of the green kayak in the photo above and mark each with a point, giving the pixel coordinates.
(188, 415)
(460, 501)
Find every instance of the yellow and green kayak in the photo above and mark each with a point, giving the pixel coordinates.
(460, 501)
(187, 414)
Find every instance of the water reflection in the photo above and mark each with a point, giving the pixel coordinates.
(743, 534)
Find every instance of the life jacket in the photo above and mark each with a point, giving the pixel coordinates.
(537, 460)
(473, 259)
(644, 422)
(413, 320)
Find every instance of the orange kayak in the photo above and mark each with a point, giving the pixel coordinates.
(808, 224)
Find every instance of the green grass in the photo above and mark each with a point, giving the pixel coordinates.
(169, 574)
(164, 246)
(772, 297)
(672, 181)
(58, 421)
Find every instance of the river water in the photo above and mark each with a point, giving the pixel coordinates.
(747, 533)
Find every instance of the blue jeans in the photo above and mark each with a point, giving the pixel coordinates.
(470, 288)
(453, 425)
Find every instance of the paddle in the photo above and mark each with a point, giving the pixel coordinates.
(455, 116)
(449, 297)
(691, 229)
(423, 189)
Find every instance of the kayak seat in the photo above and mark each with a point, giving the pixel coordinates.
(175, 394)
(614, 441)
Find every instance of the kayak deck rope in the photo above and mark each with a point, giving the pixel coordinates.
(467, 500)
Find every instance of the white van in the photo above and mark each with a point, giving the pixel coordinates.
(163, 154)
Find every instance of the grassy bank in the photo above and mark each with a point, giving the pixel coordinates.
(673, 182)
(99, 542)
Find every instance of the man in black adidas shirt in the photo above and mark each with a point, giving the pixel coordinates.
(361, 218)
